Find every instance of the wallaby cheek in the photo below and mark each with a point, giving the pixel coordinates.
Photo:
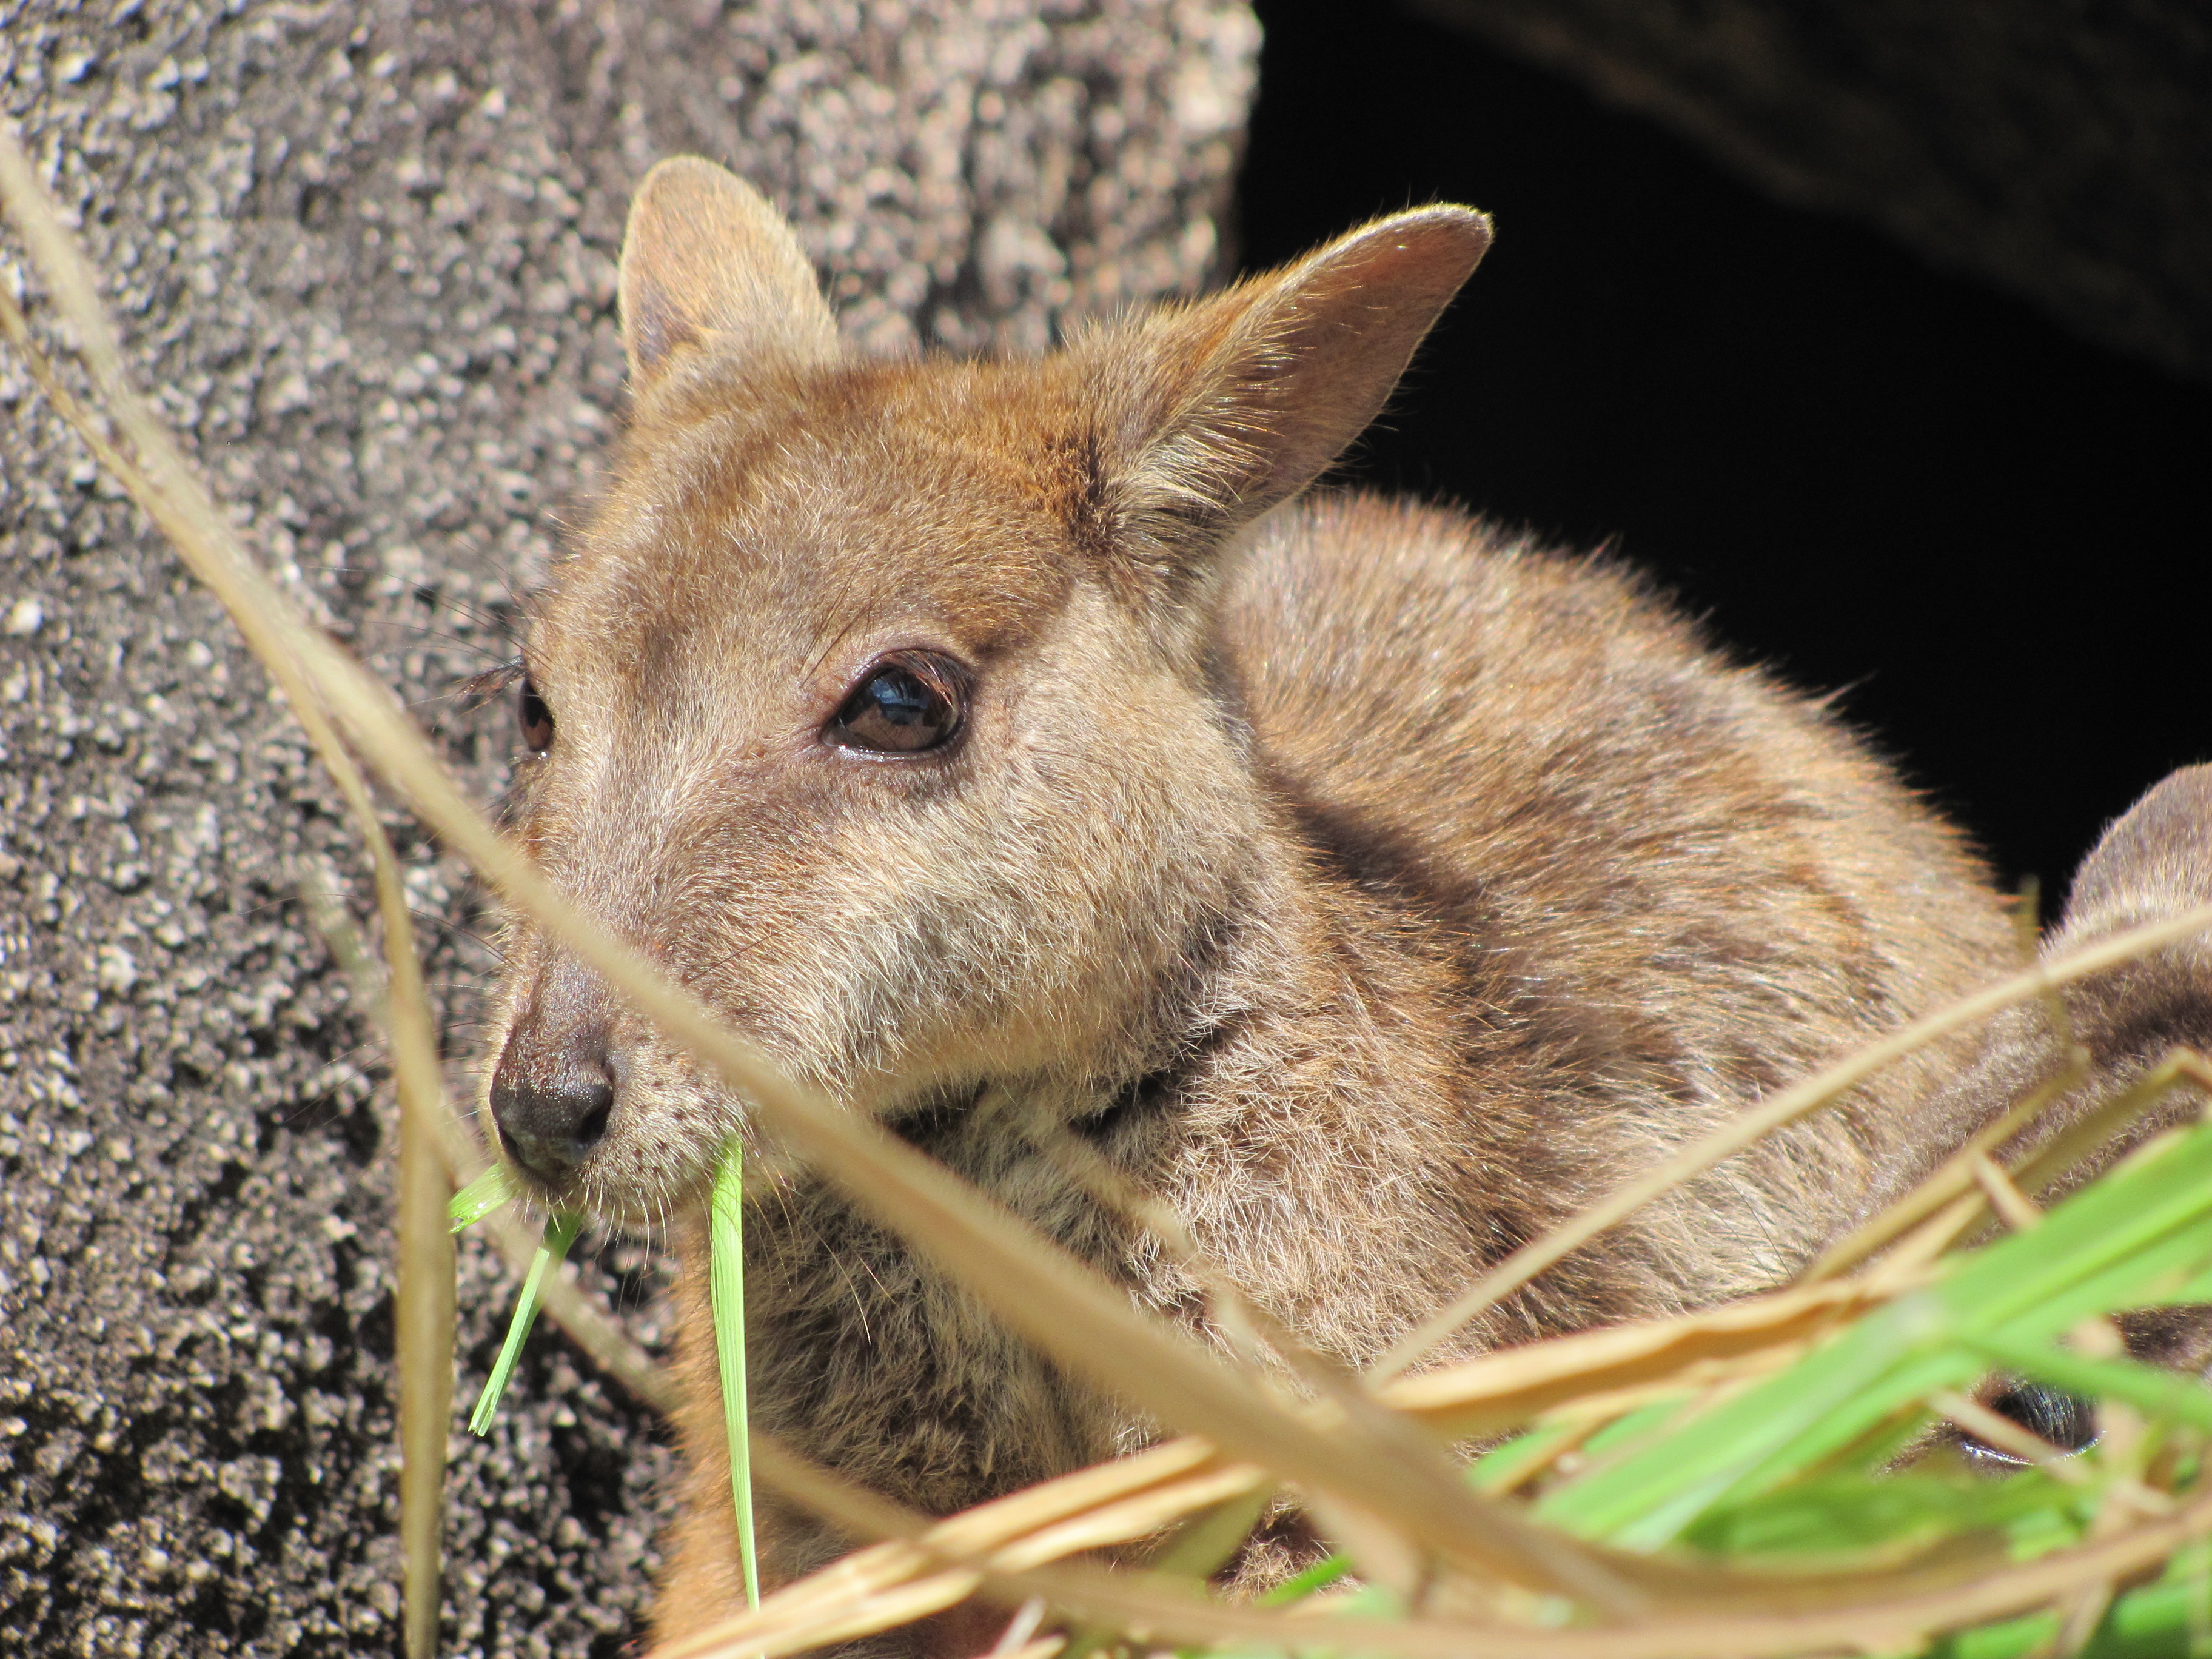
(1014, 924)
(1060, 904)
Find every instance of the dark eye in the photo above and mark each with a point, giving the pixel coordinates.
(902, 706)
(536, 718)
(2061, 1419)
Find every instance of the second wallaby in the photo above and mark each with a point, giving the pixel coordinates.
(1008, 750)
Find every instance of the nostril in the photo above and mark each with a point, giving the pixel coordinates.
(553, 1090)
(592, 1126)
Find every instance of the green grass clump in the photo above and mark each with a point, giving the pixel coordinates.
(1802, 1470)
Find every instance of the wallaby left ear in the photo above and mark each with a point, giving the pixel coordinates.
(708, 260)
(1220, 410)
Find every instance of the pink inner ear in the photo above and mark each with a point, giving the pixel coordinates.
(652, 330)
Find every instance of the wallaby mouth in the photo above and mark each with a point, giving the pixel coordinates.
(591, 1125)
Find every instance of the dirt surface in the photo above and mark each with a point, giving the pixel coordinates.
(364, 255)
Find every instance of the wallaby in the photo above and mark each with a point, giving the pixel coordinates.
(1007, 750)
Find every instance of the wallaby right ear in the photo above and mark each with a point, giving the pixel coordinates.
(707, 260)
(1214, 412)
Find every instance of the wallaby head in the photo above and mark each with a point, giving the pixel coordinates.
(877, 702)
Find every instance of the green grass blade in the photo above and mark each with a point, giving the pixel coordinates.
(725, 1282)
(494, 1188)
(561, 1232)
(2159, 1393)
(1319, 1575)
(1836, 1514)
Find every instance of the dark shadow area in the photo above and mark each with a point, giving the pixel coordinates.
(1868, 473)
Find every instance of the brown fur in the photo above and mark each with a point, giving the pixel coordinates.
(1370, 886)
(2153, 862)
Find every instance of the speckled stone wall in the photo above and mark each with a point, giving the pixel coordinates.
(364, 255)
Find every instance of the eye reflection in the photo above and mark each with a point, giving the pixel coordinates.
(905, 705)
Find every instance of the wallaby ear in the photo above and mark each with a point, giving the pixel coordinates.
(707, 260)
(1221, 411)
(2154, 860)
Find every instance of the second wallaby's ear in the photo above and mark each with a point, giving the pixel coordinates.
(2155, 860)
(1224, 408)
(707, 259)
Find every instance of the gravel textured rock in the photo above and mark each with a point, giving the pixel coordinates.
(364, 256)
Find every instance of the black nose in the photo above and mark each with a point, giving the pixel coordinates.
(554, 1087)
(549, 1125)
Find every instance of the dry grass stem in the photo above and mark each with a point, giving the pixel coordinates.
(1888, 1612)
(1952, 1179)
(2011, 1205)
(1125, 1501)
(2086, 1140)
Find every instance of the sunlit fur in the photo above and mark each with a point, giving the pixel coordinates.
(1369, 884)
